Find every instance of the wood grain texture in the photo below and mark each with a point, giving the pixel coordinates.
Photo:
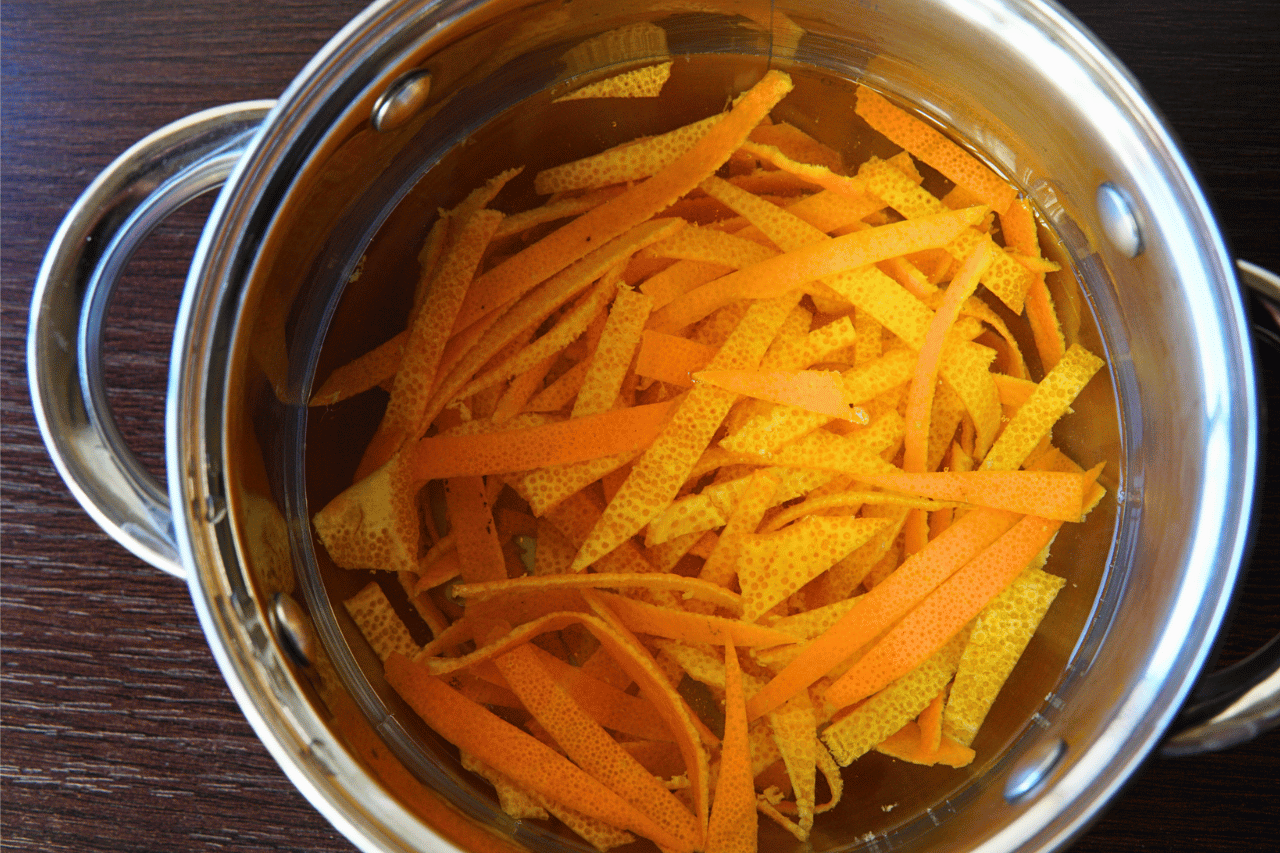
(118, 731)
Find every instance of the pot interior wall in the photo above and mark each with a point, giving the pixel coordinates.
(336, 267)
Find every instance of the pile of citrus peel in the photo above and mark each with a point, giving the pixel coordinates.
(714, 473)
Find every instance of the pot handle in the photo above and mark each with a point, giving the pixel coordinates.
(1241, 701)
(73, 289)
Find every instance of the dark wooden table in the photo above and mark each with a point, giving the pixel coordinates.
(118, 731)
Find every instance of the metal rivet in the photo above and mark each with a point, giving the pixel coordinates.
(293, 628)
(1034, 769)
(1119, 219)
(402, 100)
(214, 509)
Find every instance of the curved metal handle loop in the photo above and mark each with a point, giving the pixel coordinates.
(1241, 701)
(73, 290)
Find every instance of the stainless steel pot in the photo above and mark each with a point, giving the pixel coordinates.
(325, 175)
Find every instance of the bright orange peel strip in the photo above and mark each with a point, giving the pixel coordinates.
(694, 588)
(935, 149)
(516, 275)
(529, 762)
(820, 391)
(942, 613)
(593, 749)
(732, 828)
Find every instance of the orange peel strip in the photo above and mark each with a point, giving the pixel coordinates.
(830, 212)
(826, 451)
(634, 160)
(874, 377)
(694, 588)
(907, 274)
(554, 209)
(851, 499)
(611, 357)
(567, 329)
(662, 469)
(688, 627)
(906, 745)
(1006, 278)
(691, 733)
(512, 799)
(810, 623)
(575, 517)
(758, 495)
(411, 390)
(1020, 235)
(433, 248)
(711, 246)
(631, 657)
(1015, 365)
(379, 623)
(891, 304)
(671, 358)
(1018, 225)
(599, 834)
(898, 190)
(855, 733)
(814, 347)
(553, 552)
(774, 183)
(359, 375)
(965, 367)
(540, 303)
(795, 731)
(732, 826)
(763, 434)
(646, 82)
(1049, 402)
(373, 523)
(944, 611)
(852, 188)
(516, 275)
(678, 279)
(797, 145)
(438, 566)
(1046, 329)
(933, 148)
(1001, 632)
(1050, 494)
(794, 269)
(786, 228)
(561, 392)
(576, 440)
(609, 705)
(920, 395)
(529, 762)
(586, 743)
(480, 555)
(792, 483)
(884, 605)
(772, 566)
(694, 513)
(930, 722)
(925, 378)
(521, 390)
(546, 487)
(820, 391)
